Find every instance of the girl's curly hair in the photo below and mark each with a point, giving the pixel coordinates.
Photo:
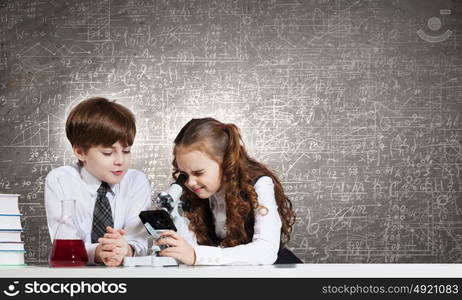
(223, 143)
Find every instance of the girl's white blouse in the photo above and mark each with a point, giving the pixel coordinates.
(266, 239)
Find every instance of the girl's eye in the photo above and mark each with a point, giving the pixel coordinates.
(126, 151)
(183, 174)
(107, 153)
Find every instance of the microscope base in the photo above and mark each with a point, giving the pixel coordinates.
(150, 260)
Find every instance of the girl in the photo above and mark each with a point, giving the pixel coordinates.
(237, 211)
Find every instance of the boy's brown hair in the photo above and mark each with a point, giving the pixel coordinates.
(98, 121)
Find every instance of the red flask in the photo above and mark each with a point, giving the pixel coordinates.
(68, 253)
(68, 249)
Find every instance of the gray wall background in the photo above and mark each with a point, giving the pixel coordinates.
(355, 104)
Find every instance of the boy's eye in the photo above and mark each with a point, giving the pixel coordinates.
(107, 153)
(126, 151)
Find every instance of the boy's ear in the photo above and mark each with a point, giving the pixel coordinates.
(79, 153)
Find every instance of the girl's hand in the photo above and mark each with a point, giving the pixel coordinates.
(178, 248)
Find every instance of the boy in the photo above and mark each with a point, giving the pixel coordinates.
(108, 194)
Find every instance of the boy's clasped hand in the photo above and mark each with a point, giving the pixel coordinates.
(113, 247)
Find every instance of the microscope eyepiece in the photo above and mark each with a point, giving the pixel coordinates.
(181, 179)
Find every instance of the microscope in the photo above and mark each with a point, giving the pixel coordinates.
(157, 221)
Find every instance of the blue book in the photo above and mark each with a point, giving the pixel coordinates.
(12, 258)
(9, 204)
(11, 246)
(10, 222)
(10, 235)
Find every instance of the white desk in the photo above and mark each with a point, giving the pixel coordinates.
(278, 271)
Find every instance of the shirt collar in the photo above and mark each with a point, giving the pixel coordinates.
(93, 182)
(219, 197)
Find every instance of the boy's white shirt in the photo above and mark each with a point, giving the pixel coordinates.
(266, 239)
(127, 199)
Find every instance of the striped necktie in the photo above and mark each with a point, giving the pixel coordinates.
(102, 214)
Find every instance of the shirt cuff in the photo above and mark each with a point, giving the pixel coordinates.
(206, 255)
(137, 249)
(91, 250)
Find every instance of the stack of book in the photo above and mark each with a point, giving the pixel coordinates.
(11, 246)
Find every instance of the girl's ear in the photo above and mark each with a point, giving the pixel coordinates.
(79, 153)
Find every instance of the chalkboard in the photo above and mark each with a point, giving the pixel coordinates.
(355, 104)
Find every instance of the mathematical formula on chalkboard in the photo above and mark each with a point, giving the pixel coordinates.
(357, 106)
